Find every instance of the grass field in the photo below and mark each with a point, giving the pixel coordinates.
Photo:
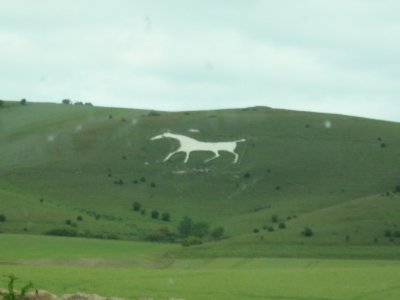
(135, 269)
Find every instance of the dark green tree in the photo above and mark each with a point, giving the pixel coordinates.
(137, 206)
(165, 217)
(308, 232)
(201, 229)
(185, 227)
(155, 214)
(217, 233)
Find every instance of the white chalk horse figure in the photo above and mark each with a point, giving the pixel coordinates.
(188, 145)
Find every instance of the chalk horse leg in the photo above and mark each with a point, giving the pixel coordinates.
(187, 157)
(169, 155)
(236, 157)
(214, 157)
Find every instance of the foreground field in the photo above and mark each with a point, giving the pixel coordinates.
(134, 270)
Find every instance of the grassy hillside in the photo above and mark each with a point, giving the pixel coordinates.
(327, 172)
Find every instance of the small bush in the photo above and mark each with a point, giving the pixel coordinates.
(256, 230)
(271, 229)
(2, 218)
(388, 233)
(307, 232)
(23, 102)
(153, 185)
(66, 101)
(166, 217)
(137, 206)
(274, 219)
(217, 233)
(155, 214)
(191, 241)
(11, 294)
(142, 179)
(143, 212)
(68, 222)
(282, 225)
(247, 175)
(162, 234)
(79, 218)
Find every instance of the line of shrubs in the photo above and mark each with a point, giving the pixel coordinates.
(155, 214)
(390, 233)
(188, 233)
(72, 232)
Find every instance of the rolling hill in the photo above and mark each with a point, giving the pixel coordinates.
(82, 167)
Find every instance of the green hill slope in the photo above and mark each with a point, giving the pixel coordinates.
(60, 162)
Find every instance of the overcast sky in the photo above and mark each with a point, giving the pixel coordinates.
(339, 56)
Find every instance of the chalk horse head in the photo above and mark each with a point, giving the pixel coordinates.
(164, 135)
(188, 145)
